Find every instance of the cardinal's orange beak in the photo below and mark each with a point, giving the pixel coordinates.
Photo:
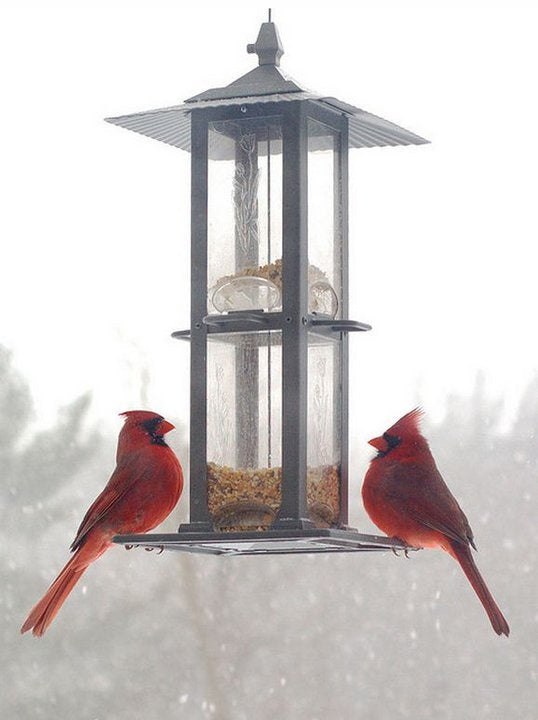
(379, 443)
(165, 427)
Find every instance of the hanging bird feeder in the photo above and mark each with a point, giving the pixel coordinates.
(269, 310)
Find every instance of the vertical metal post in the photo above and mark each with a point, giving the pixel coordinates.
(269, 458)
(200, 518)
(342, 209)
(293, 509)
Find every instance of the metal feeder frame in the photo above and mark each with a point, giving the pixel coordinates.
(267, 92)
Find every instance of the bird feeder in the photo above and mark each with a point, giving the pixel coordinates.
(269, 310)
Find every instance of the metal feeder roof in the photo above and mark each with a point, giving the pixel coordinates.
(267, 83)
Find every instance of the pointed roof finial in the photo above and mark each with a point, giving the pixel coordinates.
(268, 45)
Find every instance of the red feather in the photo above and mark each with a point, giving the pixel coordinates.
(142, 491)
(409, 423)
(406, 497)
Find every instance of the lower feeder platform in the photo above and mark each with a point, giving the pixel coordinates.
(270, 542)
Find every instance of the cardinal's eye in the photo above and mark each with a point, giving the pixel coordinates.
(152, 425)
(392, 440)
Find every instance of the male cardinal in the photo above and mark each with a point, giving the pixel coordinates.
(406, 497)
(142, 491)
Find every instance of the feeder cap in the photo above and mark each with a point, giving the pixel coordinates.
(265, 79)
(268, 46)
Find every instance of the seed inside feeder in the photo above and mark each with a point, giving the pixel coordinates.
(248, 499)
(260, 287)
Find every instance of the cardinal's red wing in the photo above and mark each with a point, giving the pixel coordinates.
(127, 473)
(423, 494)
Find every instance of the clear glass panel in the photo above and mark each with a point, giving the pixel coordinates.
(245, 215)
(324, 430)
(324, 220)
(244, 411)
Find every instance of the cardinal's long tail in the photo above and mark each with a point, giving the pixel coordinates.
(462, 553)
(44, 612)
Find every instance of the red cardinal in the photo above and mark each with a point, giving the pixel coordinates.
(143, 490)
(405, 495)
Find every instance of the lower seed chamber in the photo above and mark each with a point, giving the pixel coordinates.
(243, 499)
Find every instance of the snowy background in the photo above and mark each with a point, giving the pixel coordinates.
(94, 234)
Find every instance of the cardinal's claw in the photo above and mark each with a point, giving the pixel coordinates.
(151, 548)
(395, 552)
